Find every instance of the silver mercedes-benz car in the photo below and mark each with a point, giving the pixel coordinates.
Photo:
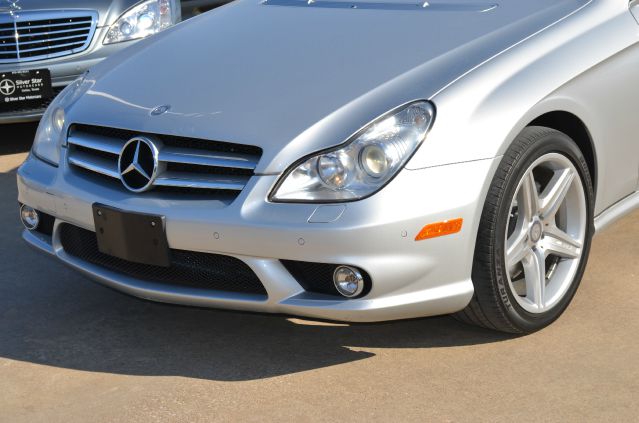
(47, 44)
(348, 160)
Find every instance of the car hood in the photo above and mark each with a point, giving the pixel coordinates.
(108, 10)
(296, 78)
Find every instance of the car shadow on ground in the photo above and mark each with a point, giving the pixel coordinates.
(52, 316)
(16, 138)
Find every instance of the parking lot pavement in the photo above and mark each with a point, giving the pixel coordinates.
(71, 350)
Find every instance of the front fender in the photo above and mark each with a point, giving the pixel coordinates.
(480, 114)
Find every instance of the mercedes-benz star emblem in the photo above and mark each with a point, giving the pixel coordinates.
(138, 164)
(7, 87)
(160, 110)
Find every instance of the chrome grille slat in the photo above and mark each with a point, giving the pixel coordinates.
(97, 142)
(22, 51)
(22, 27)
(29, 34)
(95, 164)
(187, 180)
(51, 40)
(38, 35)
(195, 157)
(194, 165)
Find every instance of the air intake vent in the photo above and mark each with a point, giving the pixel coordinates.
(188, 268)
(318, 277)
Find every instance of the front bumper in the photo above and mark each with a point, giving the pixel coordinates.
(64, 70)
(409, 278)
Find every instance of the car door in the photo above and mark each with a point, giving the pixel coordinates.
(611, 89)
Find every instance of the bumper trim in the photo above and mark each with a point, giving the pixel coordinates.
(38, 242)
(429, 302)
(410, 279)
(22, 117)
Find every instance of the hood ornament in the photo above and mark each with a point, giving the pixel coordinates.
(160, 110)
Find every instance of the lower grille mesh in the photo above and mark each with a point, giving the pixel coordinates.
(187, 269)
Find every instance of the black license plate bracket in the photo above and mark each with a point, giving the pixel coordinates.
(135, 237)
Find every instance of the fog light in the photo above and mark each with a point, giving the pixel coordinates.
(29, 216)
(348, 281)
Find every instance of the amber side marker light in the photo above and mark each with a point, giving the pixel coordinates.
(438, 229)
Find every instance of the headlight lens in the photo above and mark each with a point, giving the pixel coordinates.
(364, 164)
(49, 135)
(374, 161)
(335, 169)
(147, 18)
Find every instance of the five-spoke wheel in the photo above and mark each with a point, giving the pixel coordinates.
(534, 235)
(546, 232)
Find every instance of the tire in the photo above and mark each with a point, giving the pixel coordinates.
(527, 295)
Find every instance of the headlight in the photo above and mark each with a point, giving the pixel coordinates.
(147, 18)
(49, 136)
(364, 164)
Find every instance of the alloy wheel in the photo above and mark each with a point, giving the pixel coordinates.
(545, 233)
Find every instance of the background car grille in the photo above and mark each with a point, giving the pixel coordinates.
(188, 164)
(188, 269)
(42, 35)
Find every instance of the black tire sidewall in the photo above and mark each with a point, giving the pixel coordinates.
(551, 142)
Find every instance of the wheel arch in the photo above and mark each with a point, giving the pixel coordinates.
(571, 125)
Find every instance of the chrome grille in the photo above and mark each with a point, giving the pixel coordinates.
(38, 35)
(190, 164)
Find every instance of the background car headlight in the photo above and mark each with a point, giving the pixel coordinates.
(49, 136)
(147, 18)
(364, 164)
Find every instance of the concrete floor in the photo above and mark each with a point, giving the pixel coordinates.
(73, 351)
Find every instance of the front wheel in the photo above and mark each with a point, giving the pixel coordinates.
(534, 236)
